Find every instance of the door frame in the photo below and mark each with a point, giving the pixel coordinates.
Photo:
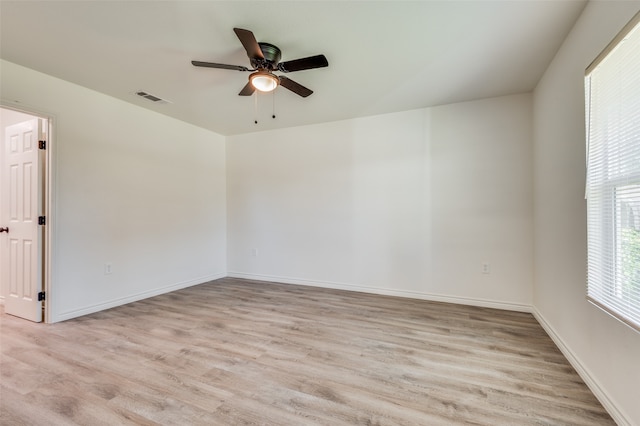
(48, 200)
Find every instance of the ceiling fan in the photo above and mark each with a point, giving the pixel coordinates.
(265, 59)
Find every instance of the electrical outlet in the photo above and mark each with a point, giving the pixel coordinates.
(107, 268)
(254, 252)
(486, 268)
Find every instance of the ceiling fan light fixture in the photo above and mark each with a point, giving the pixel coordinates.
(263, 81)
(265, 59)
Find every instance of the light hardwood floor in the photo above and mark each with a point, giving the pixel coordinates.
(236, 352)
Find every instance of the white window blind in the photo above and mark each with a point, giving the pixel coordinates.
(612, 89)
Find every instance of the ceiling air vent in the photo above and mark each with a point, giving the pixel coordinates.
(152, 98)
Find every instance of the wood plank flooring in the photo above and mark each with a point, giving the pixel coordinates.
(236, 352)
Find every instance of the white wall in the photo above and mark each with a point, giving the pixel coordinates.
(606, 352)
(409, 203)
(133, 188)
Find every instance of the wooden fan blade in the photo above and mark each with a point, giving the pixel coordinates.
(249, 43)
(247, 90)
(318, 61)
(221, 66)
(296, 88)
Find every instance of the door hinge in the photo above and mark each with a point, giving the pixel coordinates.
(41, 296)
(42, 144)
(42, 220)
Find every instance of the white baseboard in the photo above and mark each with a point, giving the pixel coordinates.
(583, 372)
(135, 297)
(387, 292)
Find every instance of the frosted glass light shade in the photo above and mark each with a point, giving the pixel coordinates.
(264, 82)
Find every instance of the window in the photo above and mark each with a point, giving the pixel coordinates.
(612, 90)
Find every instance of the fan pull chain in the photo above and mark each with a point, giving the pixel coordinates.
(273, 113)
(255, 107)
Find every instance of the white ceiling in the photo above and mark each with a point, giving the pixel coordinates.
(384, 56)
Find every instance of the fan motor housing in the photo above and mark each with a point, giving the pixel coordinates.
(271, 55)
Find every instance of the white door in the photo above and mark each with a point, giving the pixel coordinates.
(22, 203)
